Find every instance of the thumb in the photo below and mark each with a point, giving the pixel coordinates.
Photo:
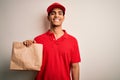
(34, 41)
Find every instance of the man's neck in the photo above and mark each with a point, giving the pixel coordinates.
(57, 31)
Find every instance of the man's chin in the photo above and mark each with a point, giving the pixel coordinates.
(56, 25)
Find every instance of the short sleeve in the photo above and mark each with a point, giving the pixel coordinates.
(38, 39)
(75, 55)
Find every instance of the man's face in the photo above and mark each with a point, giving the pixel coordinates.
(56, 17)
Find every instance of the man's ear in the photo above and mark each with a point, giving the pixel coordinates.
(48, 18)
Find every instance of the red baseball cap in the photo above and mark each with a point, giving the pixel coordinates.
(55, 5)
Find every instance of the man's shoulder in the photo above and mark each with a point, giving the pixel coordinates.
(41, 37)
(71, 37)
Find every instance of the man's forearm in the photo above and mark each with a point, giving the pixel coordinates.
(75, 71)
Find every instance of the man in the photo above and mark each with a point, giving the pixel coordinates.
(61, 55)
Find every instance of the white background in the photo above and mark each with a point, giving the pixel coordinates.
(95, 24)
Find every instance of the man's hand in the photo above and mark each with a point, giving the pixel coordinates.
(28, 43)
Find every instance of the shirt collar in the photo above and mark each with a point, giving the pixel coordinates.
(50, 33)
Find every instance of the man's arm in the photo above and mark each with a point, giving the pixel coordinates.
(75, 71)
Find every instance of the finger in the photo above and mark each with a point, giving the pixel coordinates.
(29, 43)
(24, 43)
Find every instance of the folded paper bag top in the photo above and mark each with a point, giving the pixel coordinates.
(26, 58)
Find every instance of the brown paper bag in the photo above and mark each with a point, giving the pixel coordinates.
(26, 58)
